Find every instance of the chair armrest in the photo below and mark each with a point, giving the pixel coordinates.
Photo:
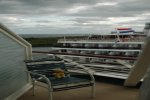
(43, 76)
(79, 66)
(84, 69)
(43, 72)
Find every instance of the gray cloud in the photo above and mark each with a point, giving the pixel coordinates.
(72, 16)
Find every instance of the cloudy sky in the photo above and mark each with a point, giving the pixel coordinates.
(73, 16)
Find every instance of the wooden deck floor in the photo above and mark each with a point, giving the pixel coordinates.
(104, 91)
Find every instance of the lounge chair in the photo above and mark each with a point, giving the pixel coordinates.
(44, 70)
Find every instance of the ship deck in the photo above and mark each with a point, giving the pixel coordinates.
(104, 91)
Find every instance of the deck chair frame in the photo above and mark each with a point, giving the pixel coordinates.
(51, 88)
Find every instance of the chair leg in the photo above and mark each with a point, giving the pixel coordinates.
(33, 83)
(93, 91)
(50, 96)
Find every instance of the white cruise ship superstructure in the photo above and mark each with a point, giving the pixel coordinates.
(109, 55)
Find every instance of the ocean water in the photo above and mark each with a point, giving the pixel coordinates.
(40, 55)
(46, 49)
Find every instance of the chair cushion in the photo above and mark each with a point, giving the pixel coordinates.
(65, 81)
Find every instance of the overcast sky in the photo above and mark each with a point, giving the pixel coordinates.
(73, 16)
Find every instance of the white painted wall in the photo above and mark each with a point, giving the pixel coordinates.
(13, 52)
(144, 93)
